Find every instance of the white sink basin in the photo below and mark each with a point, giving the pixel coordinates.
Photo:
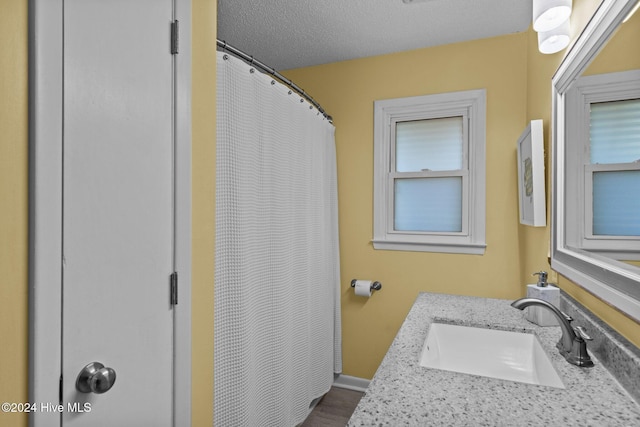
(491, 353)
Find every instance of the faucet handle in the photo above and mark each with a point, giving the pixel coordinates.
(582, 333)
(566, 316)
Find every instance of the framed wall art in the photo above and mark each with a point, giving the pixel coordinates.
(531, 191)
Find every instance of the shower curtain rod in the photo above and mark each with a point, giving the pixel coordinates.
(272, 71)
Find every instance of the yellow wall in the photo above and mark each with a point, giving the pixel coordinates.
(13, 207)
(203, 187)
(535, 241)
(347, 90)
(509, 67)
(518, 82)
(616, 55)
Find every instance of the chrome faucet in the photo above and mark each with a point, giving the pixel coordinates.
(572, 344)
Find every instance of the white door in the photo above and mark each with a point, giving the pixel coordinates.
(118, 209)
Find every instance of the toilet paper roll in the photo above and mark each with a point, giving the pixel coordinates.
(363, 288)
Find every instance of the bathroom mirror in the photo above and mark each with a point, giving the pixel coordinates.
(600, 72)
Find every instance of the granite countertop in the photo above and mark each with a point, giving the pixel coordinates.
(403, 393)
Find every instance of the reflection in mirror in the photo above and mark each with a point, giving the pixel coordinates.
(622, 144)
(596, 180)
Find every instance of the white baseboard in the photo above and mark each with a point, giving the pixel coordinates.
(351, 383)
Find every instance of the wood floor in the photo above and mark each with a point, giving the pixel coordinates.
(335, 408)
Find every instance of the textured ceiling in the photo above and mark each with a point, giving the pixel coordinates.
(288, 34)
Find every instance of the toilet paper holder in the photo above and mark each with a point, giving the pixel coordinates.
(375, 286)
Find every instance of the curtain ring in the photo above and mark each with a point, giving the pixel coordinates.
(252, 70)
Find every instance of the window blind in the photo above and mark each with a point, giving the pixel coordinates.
(616, 203)
(615, 132)
(428, 204)
(433, 144)
(615, 142)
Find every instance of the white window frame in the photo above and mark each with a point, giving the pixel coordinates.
(619, 86)
(471, 105)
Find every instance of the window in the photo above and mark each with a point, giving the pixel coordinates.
(429, 173)
(605, 160)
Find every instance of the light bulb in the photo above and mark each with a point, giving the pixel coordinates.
(554, 40)
(549, 14)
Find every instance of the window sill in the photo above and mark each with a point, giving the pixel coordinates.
(621, 256)
(467, 248)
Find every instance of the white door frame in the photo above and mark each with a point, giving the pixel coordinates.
(45, 209)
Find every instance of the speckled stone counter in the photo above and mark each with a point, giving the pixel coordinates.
(402, 393)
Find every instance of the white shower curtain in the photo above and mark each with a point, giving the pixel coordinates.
(277, 294)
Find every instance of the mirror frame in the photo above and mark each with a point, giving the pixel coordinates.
(603, 277)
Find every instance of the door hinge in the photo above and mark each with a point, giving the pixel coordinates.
(174, 37)
(173, 284)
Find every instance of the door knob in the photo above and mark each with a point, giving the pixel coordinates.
(95, 378)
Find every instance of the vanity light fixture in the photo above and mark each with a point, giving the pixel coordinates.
(551, 21)
(549, 14)
(554, 40)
